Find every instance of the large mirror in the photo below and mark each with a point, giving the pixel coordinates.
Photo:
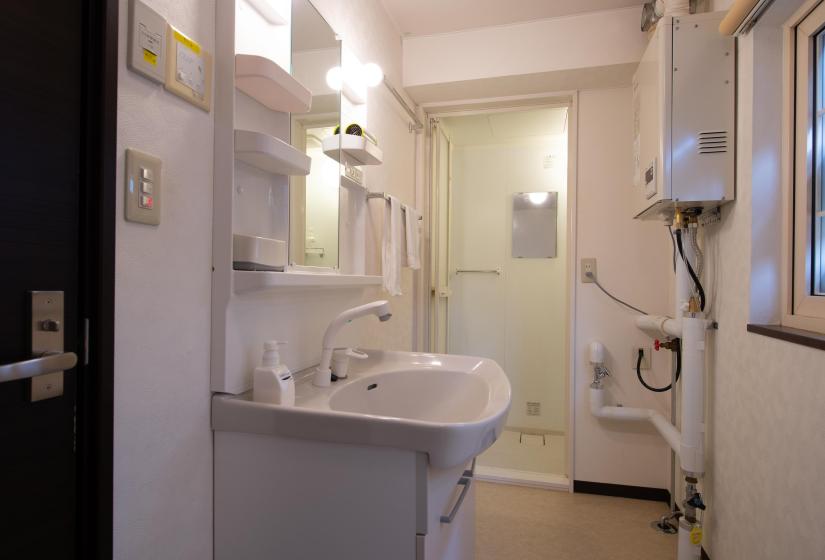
(314, 199)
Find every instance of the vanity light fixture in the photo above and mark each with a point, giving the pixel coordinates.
(335, 78)
(369, 75)
(372, 74)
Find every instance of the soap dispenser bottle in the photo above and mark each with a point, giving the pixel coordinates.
(272, 382)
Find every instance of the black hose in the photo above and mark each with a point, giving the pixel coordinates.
(678, 351)
(692, 274)
(673, 247)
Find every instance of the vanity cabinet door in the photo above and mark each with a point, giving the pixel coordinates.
(451, 514)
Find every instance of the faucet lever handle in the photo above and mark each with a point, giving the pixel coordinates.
(357, 354)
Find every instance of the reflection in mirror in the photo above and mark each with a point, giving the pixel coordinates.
(314, 199)
(534, 224)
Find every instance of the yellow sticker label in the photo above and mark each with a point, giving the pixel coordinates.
(183, 39)
(150, 57)
(696, 535)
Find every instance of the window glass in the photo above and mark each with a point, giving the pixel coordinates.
(818, 222)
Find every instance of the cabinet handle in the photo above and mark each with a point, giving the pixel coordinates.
(470, 473)
(463, 481)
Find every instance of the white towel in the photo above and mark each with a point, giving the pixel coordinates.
(413, 238)
(391, 247)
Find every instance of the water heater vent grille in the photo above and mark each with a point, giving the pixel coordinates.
(713, 142)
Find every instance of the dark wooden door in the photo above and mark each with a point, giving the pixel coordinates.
(41, 149)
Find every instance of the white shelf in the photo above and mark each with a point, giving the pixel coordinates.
(270, 154)
(355, 150)
(256, 281)
(270, 85)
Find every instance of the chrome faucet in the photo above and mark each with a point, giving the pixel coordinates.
(381, 309)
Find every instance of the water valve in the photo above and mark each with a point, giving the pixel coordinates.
(672, 344)
(696, 501)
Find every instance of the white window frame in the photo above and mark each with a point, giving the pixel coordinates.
(801, 309)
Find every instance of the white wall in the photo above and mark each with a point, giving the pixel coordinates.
(765, 415)
(633, 260)
(595, 49)
(162, 440)
(565, 43)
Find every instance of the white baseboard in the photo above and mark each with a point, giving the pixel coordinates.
(522, 478)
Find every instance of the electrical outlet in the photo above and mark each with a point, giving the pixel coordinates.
(588, 265)
(645, 358)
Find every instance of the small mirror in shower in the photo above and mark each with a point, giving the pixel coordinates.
(534, 225)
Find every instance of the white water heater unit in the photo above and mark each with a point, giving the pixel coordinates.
(684, 101)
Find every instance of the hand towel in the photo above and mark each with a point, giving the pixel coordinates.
(391, 250)
(413, 238)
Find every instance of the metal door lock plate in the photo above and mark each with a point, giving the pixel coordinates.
(47, 338)
(50, 325)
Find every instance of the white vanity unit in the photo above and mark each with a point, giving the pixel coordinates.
(377, 466)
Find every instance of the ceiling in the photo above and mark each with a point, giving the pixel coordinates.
(493, 128)
(426, 17)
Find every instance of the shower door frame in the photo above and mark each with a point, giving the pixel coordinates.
(433, 112)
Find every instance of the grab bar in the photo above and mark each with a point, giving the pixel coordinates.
(479, 271)
(50, 363)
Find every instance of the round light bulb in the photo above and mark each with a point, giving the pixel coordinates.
(335, 78)
(372, 74)
(538, 197)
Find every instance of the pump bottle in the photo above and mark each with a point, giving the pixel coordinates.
(272, 381)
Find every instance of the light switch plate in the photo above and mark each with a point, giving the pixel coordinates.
(147, 41)
(134, 197)
(188, 69)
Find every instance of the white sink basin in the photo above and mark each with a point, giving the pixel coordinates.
(433, 395)
(450, 407)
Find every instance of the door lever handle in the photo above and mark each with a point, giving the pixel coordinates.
(49, 363)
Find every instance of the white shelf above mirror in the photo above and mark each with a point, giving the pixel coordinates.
(355, 150)
(245, 281)
(270, 154)
(270, 85)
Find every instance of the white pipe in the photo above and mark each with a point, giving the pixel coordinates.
(665, 428)
(658, 325)
(686, 549)
(693, 395)
(689, 443)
